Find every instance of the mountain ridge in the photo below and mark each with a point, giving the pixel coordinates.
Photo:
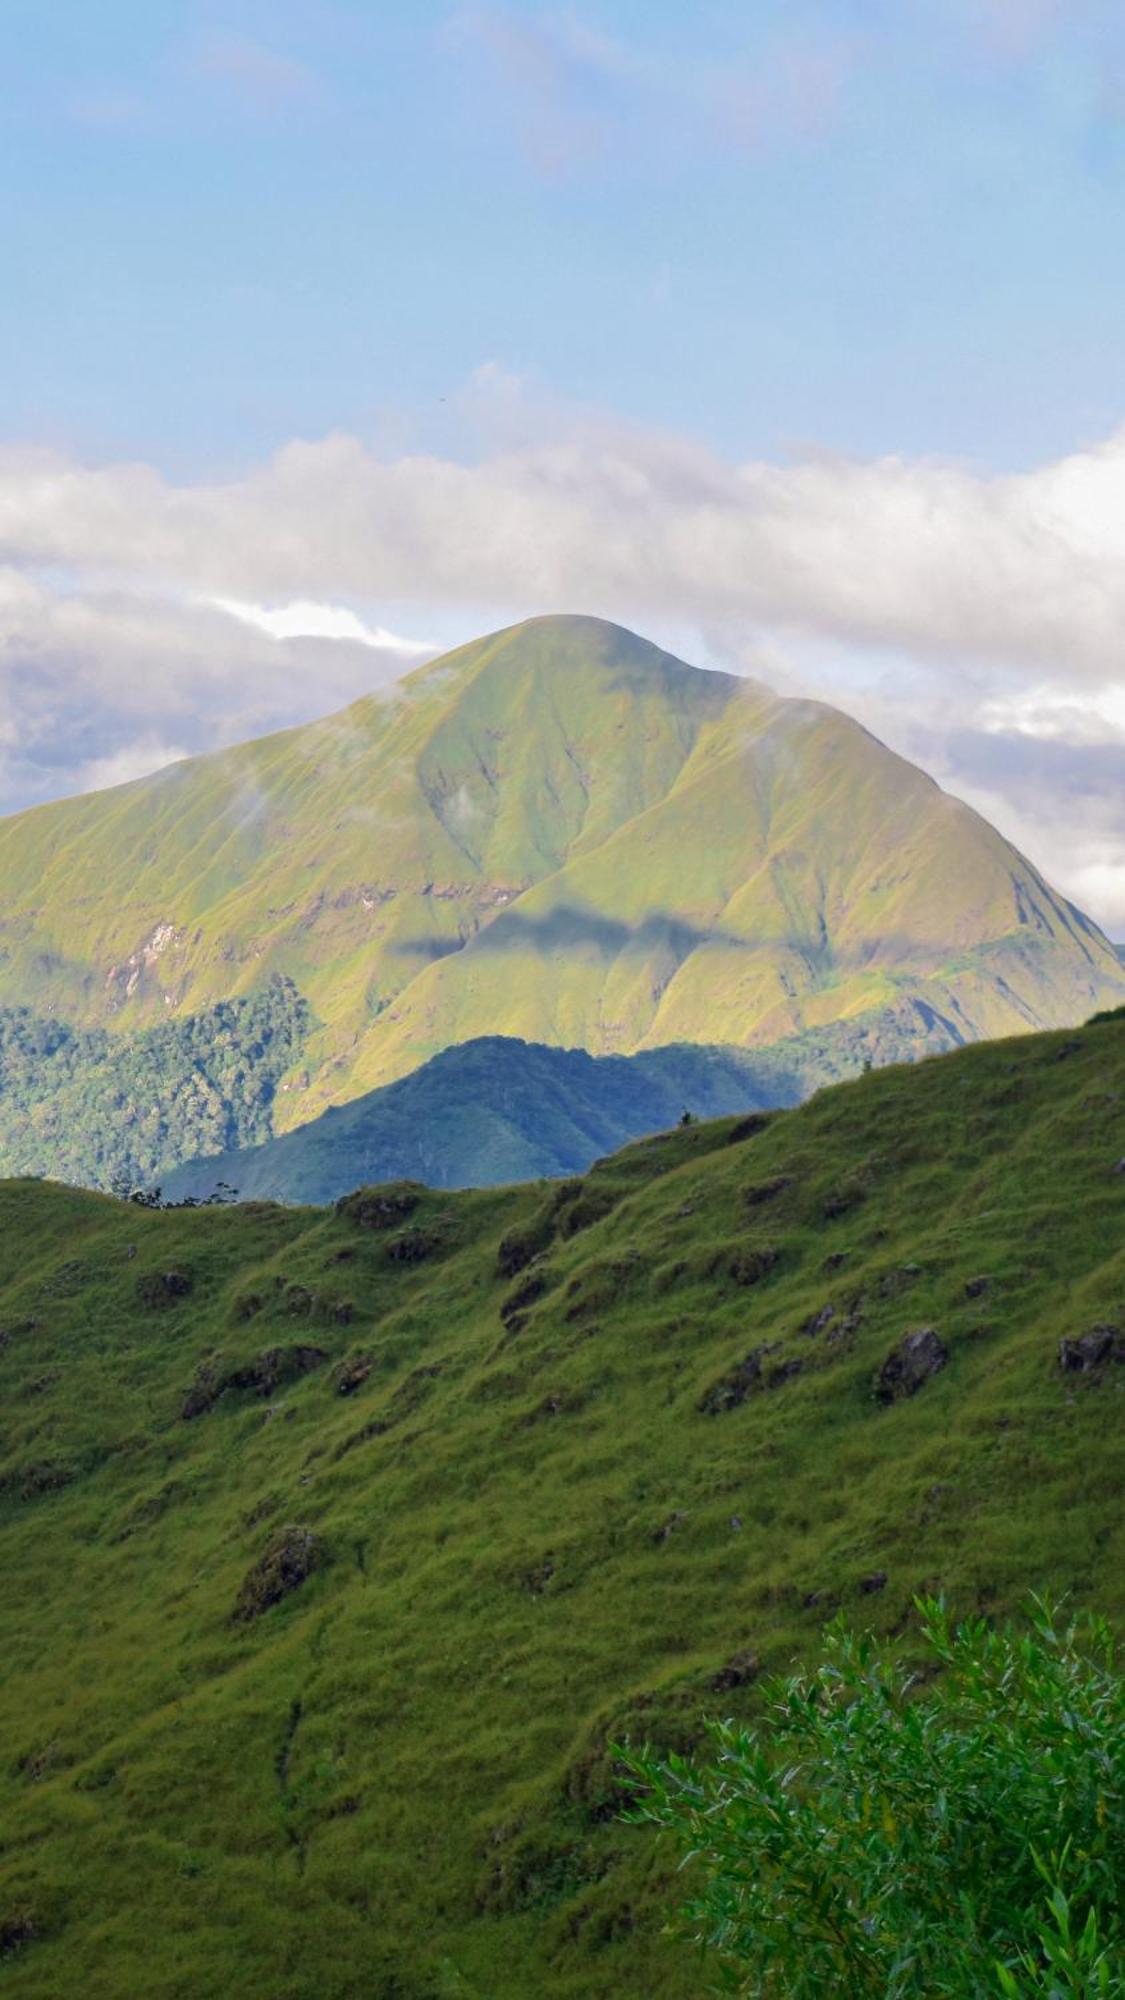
(491, 1111)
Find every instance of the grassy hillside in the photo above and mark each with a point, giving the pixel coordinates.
(557, 833)
(491, 1111)
(553, 1464)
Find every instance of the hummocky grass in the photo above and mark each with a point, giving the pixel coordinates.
(340, 1545)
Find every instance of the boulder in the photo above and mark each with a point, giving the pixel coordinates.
(749, 1267)
(842, 1200)
(817, 1321)
(919, 1356)
(740, 1668)
(291, 1557)
(261, 1375)
(524, 1295)
(351, 1375)
(157, 1290)
(748, 1128)
(899, 1280)
(760, 1192)
(411, 1246)
(1089, 1351)
(733, 1389)
(784, 1371)
(668, 1527)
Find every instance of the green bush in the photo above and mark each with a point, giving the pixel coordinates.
(878, 1835)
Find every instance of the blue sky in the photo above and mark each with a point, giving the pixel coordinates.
(787, 334)
(876, 225)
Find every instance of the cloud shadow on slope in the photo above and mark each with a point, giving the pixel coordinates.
(569, 929)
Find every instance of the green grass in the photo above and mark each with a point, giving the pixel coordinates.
(395, 1782)
(558, 833)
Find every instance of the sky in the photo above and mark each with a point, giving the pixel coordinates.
(787, 334)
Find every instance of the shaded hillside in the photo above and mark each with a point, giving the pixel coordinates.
(337, 1545)
(491, 1111)
(558, 833)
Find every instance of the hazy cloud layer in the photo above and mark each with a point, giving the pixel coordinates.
(976, 622)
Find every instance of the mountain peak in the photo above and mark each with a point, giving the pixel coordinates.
(558, 832)
(565, 642)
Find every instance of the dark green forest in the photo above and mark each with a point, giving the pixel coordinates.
(86, 1105)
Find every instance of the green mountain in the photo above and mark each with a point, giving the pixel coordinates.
(557, 833)
(338, 1546)
(490, 1111)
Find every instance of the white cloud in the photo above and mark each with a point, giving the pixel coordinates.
(101, 681)
(962, 615)
(307, 620)
(1019, 572)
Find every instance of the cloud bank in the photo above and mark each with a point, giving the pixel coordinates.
(976, 621)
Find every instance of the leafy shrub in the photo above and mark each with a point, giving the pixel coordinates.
(875, 1839)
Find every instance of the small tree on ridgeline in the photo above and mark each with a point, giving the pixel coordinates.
(880, 1837)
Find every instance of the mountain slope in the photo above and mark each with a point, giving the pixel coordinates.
(491, 1111)
(558, 833)
(575, 1462)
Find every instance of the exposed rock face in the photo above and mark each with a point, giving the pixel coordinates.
(290, 1558)
(1092, 1350)
(909, 1366)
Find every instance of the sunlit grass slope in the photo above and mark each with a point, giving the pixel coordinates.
(558, 833)
(561, 1462)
